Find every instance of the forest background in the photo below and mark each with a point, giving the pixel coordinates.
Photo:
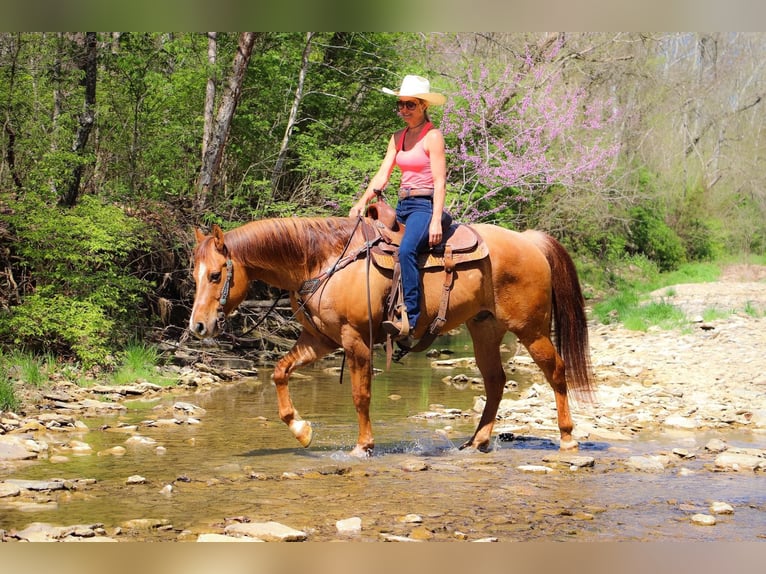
(635, 150)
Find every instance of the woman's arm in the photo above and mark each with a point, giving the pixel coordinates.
(434, 145)
(378, 182)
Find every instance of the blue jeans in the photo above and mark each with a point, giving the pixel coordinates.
(415, 213)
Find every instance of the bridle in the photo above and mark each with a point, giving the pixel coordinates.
(221, 316)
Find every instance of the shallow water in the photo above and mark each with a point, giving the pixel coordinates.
(242, 462)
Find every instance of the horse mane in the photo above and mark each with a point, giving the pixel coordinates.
(304, 243)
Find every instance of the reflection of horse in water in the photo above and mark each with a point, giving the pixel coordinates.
(527, 283)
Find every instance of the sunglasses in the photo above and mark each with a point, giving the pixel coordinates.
(409, 104)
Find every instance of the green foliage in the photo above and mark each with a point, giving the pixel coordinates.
(634, 279)
(9, 401)
(84, 298)
(31, 369)
(652, 236)
(655, 314)
(138, 362)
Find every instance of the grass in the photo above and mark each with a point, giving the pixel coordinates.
(139, 362)
(629, 303)
(24, 368)
(9, 401)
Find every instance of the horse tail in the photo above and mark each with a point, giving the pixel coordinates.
(569, 319)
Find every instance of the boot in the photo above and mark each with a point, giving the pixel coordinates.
(398, 329)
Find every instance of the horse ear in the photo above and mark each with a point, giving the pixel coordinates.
(199, 235)
(218, 237)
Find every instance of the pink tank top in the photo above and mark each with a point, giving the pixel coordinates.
(415, 162)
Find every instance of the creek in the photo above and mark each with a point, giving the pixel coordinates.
(240, 463)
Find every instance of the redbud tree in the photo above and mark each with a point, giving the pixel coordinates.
(516, 136)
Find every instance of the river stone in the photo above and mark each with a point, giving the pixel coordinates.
(681, 422)
(135, 479)
(15, 448)
(114, 451)
(576, 460)
(534, 468)
(211, 537)
(718, 507)
(40, 532)
(645, 463)
(703, 520)
(716, 445)
(38, 485)
(351, 525)
(267, 531)
(739, 461)
(140, 440)
(7, 490)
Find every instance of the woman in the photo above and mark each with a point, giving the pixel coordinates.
(418, 151)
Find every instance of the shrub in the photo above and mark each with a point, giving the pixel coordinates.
(80, 296)
(650, 235)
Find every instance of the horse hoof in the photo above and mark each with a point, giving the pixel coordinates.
(302, 431)
(361, 452)
(570, 444)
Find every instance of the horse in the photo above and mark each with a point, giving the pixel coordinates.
(527, 285)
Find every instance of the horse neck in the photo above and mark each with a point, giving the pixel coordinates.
(286, 252)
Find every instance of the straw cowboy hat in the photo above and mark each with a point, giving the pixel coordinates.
(417, 87)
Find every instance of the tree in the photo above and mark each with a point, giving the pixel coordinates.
(516, 134)
(293, 111)
(88, 65)
(220, 132)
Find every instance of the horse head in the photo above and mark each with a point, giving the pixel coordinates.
(221, 285)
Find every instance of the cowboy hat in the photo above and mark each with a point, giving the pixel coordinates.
(417, 87)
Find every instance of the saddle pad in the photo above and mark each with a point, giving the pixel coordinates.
(465, 242)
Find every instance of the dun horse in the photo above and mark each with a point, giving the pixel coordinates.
(527, 285)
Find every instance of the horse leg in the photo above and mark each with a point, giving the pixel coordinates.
(306, 350)
(487, 337)
(360, 367)
(545, 356)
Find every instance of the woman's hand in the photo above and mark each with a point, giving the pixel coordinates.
(357, 210)
(435, 232)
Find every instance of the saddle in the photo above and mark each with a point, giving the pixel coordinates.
(460, 244)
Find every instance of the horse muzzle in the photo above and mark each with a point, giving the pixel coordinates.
(203, 330)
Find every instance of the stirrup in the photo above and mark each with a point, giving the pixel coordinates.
(398, 329)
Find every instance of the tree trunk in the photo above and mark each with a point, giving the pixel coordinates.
(292, 118)
(211, 162)
(87, 118)
(10, 131)
(212, 56)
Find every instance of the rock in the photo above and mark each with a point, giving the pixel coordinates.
(135, 479)
(576, 460)
(739, 461)
(646, 463)
(677, 421)
(351, 525)
(721, 508)
(114, 451)
(267, 531)
(139, 440)
(8, 490)
(14, 447)
(414, 465)
(145, 523)
(703, 520)
(716, 445)
(394, 538)
(38, 485)
(534, 468)
(225, 538)
(411, 519)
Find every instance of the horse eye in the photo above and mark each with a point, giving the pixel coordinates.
(215, 277)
